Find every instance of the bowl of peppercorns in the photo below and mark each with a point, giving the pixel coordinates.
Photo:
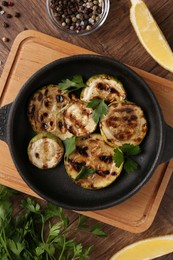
(78, 17)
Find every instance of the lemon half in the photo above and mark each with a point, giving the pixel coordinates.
(150, 35)
(146, 249)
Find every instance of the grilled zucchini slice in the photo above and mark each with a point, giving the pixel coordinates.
(45, 150)
(79, 118)
(92, 152)
(45, 111)
(104, 87)
(124, 123)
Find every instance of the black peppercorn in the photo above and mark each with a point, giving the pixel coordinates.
(4, 3)
(6, 25)
(9, 16)
(17, 14)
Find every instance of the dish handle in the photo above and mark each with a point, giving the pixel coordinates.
(4, 111)
(167, 153)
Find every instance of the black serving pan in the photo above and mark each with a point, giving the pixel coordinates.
(54, 185)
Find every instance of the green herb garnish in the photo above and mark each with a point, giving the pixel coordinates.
(130, 165)
(40, 231)
(84, 173)
(130, 149)
(124, 154)
(99, 108)
(118, 157)
(70, 146)
(74, 84)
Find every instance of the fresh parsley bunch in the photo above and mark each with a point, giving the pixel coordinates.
(39, 233)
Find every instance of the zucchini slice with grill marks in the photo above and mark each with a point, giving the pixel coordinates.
(124, 123)
(45, 111)
(104, 87)
(45, 150)
(93, 153)
(79, 118)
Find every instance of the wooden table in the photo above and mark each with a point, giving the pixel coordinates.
(117, 39)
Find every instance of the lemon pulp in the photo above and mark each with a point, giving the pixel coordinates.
(146, 249)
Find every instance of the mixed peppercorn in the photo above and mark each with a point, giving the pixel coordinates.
(5, 12)
(76, 15)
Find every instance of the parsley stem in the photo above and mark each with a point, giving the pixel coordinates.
(4, 243)
(42, 228)
(63, 247)
(47, 256)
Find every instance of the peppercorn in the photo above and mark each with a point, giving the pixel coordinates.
(9, 16)
(2, 12)
(10, 3)
(5, 39)
(6, 25)
(4, 3)
(76, 15)
(17, 14)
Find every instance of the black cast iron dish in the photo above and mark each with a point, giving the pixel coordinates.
(54, 185)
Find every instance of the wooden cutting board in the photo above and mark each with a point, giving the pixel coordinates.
(31, 51)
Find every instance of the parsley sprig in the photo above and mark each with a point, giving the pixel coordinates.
(74, 84)
(124, 155)
(40, 231)
(99, 107)
(70, 146)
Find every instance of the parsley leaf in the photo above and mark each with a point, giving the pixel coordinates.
(82, 222)
(130, 165)
(84, 173)
(70, 146)
(16, 247)
(124, 155)
(130, 149)
(96, 230)
(52, 211)
(71, 85)
(54, 231)
(118, 157)
(99, 108)
(31, 206)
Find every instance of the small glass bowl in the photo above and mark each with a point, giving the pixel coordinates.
(70, 23)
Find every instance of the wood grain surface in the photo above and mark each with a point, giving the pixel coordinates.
(116, 38)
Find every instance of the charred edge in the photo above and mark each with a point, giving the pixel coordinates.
(77, 166)
(107, 88)
(102, 173)
(82, 150)
(106, 159)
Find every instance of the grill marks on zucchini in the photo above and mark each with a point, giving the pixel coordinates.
(45, 150)
(79, 119)
(92, 152)
(45, 111)
(104, 87)
(124, 123)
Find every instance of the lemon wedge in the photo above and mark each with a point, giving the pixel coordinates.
(150, 35)
(146, 249)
